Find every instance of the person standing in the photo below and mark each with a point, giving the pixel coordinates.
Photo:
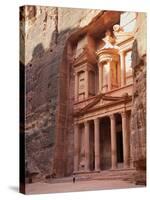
(74, 178)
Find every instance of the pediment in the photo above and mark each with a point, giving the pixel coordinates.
(123, 37)
(120, 35)
(100, 100)
(81, 58)
(85, 56)
(105, 100)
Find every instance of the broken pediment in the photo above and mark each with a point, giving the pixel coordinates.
(85, 56)
(120, 35)
(113, 41)
(107, 44)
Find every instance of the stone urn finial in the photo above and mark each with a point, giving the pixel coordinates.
(117, 28)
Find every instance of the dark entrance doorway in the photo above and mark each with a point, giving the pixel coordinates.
(119, 140)
(105, 144)
(92, 152)
(119, 148)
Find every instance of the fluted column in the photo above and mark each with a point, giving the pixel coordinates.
(76, 147)
(97, 144)
(125, 140)
(87, 146)
(113, 142)
(122, 62)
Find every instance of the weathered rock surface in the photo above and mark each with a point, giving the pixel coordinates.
(138, 118)
(44, 31)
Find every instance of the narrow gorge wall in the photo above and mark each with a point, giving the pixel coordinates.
(138, 118)
(43, 33)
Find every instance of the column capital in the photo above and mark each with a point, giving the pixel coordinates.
(100, 64)
(112, 116)
(76, 126)
(122, 53)
(86, 123)
(96, 120)
(76, 73)
(123, 114)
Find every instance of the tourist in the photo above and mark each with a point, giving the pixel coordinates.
(74, 178)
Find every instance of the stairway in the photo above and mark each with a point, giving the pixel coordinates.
(118, 174)
(121, 174)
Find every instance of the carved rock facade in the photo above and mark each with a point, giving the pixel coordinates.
(86, 83)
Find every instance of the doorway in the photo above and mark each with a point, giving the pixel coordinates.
(119, 147)
(119, 140)
(105, 144)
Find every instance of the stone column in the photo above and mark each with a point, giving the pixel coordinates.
(97, 144)
(125, 140)
(100, 77)
(113, 142)
(76, 86)
(129, 131)
(122, 63)
(86, 84)
(105, 77)
(76, 147)
(109, 75)
(87, 146)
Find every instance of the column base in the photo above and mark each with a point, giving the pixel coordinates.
(87, 171)
(126, 166)
(75, 172)
(114, 168)
(97, 170)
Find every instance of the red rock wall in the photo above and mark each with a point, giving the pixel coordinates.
(44, 32)
(138, 116)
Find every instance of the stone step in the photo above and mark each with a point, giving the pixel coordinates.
(124, 174)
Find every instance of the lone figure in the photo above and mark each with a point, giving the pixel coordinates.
(74, 178)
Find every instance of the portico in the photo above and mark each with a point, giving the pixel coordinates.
(105, 143)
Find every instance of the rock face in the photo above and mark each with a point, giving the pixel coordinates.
(47, 34)
(138, 118)
(43, 34)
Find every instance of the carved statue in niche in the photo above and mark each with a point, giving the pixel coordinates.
(108, 40)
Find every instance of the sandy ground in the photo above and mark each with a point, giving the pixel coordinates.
(39, 188)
